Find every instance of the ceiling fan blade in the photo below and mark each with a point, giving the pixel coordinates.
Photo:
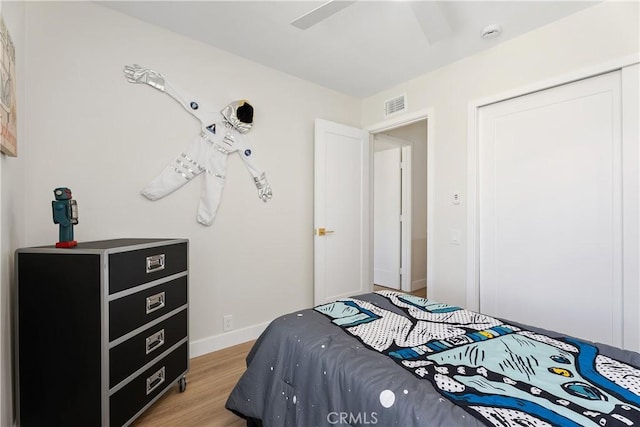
(434, 24)
(320, 13)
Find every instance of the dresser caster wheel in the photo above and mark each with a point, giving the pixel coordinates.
(182, 384)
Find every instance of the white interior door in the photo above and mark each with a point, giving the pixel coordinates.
(387, 228)
(550, 209)
(341, 212)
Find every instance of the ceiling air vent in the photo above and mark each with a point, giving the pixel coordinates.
(395, 105)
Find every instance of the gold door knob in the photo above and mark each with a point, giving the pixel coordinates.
(321, 231)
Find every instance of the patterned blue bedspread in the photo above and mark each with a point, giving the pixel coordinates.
(502, 374)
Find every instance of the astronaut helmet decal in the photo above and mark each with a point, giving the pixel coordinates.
(239, 114)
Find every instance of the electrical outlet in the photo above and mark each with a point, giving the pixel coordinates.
(227, 323)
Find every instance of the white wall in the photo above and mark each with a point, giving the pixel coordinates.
(12, 224)
(104, 138)
(595, 35)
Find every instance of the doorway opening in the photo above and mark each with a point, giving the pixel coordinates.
(400, 208)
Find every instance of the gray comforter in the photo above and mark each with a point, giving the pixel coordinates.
(315, 368)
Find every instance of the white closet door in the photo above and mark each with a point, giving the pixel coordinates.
(550, 209)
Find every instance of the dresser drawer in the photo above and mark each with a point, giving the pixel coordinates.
(126, 402)
(133, 268)
(132, 311)
(127, 357)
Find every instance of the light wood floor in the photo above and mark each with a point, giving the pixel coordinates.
(210, 379)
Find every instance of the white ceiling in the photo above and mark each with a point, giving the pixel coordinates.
(363, 49)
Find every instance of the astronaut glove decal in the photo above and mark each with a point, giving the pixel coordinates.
(264, 189)
(137, 74)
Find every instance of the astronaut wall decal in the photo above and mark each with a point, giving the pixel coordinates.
(222, 132)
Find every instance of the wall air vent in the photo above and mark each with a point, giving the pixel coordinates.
(395, 105)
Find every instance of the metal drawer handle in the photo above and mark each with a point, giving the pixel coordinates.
(155, 302)
(155, 263)
(155, 341)
(155, 380)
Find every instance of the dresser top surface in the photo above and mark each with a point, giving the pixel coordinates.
(106, 245)
(117, 243)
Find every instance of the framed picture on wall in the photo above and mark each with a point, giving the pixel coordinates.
(8, 109)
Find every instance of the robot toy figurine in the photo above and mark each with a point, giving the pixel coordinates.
(222, 133)
(65, 213)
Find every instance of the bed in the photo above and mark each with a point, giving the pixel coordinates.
(393, 359)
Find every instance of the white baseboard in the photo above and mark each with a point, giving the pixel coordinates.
(226, 339)
(418, 284)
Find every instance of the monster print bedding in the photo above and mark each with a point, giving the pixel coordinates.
(392, 359)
